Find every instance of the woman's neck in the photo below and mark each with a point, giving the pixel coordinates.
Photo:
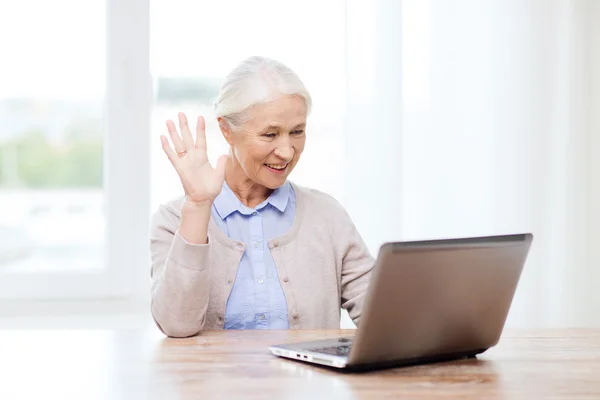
(247, 191)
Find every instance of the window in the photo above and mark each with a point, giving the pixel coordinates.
(195, 44)
(59, 225)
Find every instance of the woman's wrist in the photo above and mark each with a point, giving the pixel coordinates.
(196, 206)
(193, 226)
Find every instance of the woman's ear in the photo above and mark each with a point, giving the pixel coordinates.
(225, 130)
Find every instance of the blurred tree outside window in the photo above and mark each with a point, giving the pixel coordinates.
(32, 157)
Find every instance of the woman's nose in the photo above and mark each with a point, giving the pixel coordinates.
(285, 152)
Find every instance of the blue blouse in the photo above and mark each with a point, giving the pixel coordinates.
(256, 300)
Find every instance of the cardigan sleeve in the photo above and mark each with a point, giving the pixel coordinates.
(357, 264)
(180, 277)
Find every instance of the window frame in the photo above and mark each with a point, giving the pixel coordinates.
(127, 108)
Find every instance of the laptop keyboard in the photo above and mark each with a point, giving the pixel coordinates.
(340, 350)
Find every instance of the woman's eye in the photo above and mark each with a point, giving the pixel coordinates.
(298, 132)
(270, 135)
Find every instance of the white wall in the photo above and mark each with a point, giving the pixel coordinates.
(499, 134)
(593, 49)
(373, 126)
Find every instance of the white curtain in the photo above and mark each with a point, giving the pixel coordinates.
(495, 131)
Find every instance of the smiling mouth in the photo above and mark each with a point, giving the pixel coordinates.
(277, 167)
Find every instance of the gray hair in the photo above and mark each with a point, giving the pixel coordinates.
(256, 80)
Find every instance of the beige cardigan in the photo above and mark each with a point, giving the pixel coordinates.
(322, 263)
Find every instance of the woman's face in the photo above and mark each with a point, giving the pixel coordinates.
(268, 146)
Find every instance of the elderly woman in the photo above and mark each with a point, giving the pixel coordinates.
(245, 248)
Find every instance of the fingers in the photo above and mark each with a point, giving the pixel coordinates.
(175, 139)
(201, 134)
(221, 163)
(167, 149)
(186, 135)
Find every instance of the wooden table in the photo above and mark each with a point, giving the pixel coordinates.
(226, 365)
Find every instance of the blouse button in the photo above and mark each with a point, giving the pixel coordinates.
(295, 315)
(285, 279)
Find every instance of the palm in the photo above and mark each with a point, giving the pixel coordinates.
(199, 179)
(201, 182)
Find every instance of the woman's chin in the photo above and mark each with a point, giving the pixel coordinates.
(273, 182)
(275, 185)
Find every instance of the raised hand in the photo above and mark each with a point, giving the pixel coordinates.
(201, 182)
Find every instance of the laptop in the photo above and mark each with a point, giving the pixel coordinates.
(427, 301)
